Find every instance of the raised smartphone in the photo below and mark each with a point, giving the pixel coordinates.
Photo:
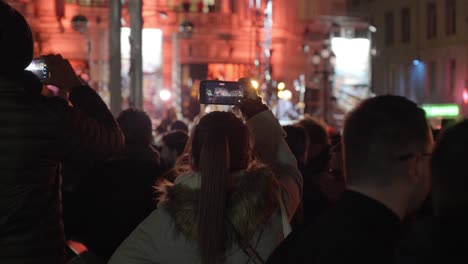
(221, 93)
(38, 66)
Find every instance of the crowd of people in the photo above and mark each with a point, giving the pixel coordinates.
(80, 186)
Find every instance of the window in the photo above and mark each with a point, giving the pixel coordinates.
(353, 5)
(96, 3)
(389, 28)
(450, 17)
(405, 25)
(433, 80)
(452, 76)
(431, 20)
(307, 10)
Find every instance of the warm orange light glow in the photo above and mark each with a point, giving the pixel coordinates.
(255, 84)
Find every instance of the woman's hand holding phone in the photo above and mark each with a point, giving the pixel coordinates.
(62, 74)
(249, 90)
(252, 104)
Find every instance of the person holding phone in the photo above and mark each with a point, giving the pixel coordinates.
(37, 135)
(229, 204)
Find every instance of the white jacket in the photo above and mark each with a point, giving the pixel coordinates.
(158, 238)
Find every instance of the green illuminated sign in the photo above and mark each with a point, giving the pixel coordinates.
(441, 110)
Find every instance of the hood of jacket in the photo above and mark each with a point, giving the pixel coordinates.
(251, 202)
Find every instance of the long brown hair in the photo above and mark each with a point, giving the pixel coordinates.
(219, 145)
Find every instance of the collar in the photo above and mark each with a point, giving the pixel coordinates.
(360, 204)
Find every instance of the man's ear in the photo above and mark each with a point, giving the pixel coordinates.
(415, 169)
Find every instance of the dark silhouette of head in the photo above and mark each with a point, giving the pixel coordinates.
(448, 170)
(385, 141)
(16, 41)
(298, 142)
(319, 143)
(136, 126)
(179, 125)
(219, 145)
(176, 140)
(173, 146)
(336, 163)
(380, 131)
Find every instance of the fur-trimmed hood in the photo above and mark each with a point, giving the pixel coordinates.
(251, 202)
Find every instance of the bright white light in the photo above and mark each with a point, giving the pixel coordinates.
(332, 60)
(151, 49)
(372, 29)
(280, 94)
(316, 59)
(255, 84)
(286, 95)
(281, 86)
(325, 53)
(165, 95)
(352, 61)
(416, 62)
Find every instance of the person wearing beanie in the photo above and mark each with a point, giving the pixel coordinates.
(37, 135)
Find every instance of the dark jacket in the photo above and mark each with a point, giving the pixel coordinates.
(321, 190)
(114, 198)
(36, 134)
(438, 239)
(356, 230)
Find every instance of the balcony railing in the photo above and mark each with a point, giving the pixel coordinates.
(203, 20)
(93, 3)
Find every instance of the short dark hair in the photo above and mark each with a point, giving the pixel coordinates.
(377, 133)
(176, 139)
(448, 169)
(179, 125)
(136, 126)
(297, 140)
(16, 41)
(316, 130)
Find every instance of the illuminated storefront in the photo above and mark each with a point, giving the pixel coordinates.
(352, 71)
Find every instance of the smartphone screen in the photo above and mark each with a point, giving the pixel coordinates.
(221, 93)
(39, 67)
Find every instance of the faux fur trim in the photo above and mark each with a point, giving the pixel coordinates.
(251, 203)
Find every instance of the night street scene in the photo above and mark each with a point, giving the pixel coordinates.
(233, 131)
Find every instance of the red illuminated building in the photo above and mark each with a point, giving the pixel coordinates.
(229, 40)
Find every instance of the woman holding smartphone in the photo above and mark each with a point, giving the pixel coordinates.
(232, 202)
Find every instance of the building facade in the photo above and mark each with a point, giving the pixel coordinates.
(421, 49)
(228, 39)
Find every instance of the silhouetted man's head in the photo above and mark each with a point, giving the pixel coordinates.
(298, 142)
(16, 41)
(448, 167)
(136, 126)
(179, 125)
(386, 143)
(319, 143)
(173, 146)
(335, 166)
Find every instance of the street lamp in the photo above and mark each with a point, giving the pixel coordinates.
(326, 56)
